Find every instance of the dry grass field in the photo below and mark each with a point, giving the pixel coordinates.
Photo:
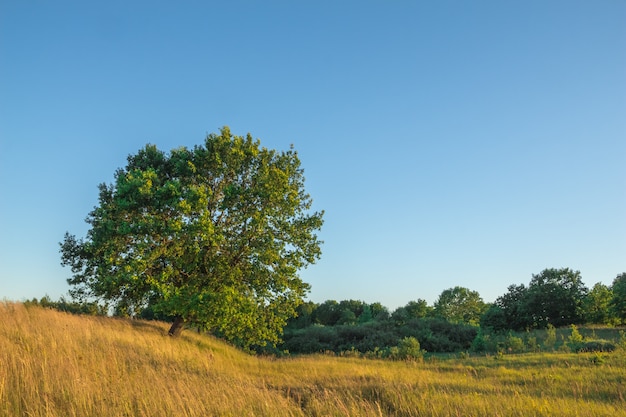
(55, 364)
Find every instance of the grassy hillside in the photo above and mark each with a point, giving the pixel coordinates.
(55, 364)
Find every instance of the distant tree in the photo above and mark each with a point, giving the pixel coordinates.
(327, 313)
(513, 310)
(597, 305)
(556, 296)
(304, 315)
(418, 309)
(412, 310)
(494, 319)
(618, 302)
(351, 310)
(213, 236)
(366, 316)
(91, 308)
(460, 305)
(346, 316)
(379, 312)
(331, 312)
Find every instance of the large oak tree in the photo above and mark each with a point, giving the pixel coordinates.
(212, 236)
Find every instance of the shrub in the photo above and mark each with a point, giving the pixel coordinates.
(531, 342)
(575, 340)
(479, 344)
(313, 339)
(439, 335)
(596, 346)
(392, 353)
(514, 344)
(409, 349)
(598, 359)
(622, 339)
(550, 339)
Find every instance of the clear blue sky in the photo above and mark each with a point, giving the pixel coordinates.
(449, 142)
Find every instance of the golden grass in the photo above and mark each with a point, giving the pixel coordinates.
(55, 364)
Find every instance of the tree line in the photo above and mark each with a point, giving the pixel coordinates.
(553, 298)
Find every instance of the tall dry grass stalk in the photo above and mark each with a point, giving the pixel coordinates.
(55, 364)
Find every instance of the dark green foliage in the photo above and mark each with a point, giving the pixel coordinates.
(618, 302)
(304, 316)
(332, 313)
(480, 342)
(597, 305)
(366, 337)
(327, 313)
(556, 296)
(379, 312)
(313, 339)
(494, 319)
(438, 335)
(379, 336)
(433, 334)
(413, 310)
(512, 313)
(366, 316)
(148, 313)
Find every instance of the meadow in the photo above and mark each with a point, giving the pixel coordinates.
(57, 364)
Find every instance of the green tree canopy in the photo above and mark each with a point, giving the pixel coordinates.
(597, 305)
(618, 303)
(213, 236)
(513, 312)
(412, 310)
(556, 296)
(328, 313)
(460, 305)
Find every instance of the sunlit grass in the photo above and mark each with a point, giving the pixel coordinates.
(55, 364)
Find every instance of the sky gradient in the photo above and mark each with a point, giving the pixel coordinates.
(449, 143)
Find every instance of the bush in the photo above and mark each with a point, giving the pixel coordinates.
(439, 335)
(408, 349)
(575, 340)
(622, 339)
(350, 337)
(313, 339)
(480, 342)
(531, 342)
(550, 339)
(596, 346)
(514, 344)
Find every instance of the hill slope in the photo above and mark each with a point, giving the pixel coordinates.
(55, 364)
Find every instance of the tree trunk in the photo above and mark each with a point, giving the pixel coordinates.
(177, 326)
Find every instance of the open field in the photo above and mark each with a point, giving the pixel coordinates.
(55, 364)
